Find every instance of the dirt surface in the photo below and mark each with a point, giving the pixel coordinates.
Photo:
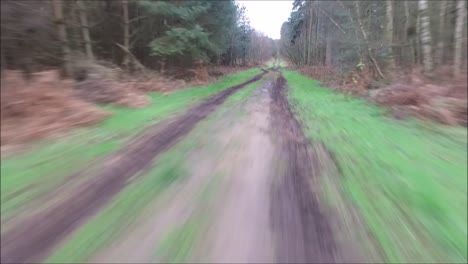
(239, 229)
(251, 193)
(304, 233)
(32, 239)
(233, 157)
(265, 208)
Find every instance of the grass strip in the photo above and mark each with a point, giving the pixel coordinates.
(408, 178)
(28, 175)
(118, 216)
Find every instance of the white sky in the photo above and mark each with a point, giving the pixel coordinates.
(268, 16)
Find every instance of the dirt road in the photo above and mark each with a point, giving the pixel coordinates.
(250, 193)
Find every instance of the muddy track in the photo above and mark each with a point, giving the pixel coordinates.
(32, 239)
(302, 231)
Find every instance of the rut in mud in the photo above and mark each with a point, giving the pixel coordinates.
(302, 230)
(32, 239)
(265, 208)
(233, 159)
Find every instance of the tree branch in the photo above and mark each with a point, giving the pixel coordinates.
(135, 61)
(334, 22)
(136, 18)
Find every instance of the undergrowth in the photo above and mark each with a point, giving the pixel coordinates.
(407, 178)
(33, 173)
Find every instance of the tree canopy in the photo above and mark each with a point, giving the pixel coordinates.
(37, 34)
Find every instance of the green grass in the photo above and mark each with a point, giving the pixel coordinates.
(283, 64)
(270, 63)
(28, 175)
(129, 203)
(241, 95)
(407, 178)
(273, 63)
(112, 220)
(178, 244)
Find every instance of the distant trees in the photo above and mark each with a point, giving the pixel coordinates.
(261, 48)
(460, 34)
(185, 33)
(126, 34)
(85, 29)
(62, 33)
(426, 36)
(134, 34)
(378, 35)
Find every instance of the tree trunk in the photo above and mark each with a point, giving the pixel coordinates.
(304, 47)
(426, 38)
(309, 42)
(410, 51)
(230, 57)
(457, 58)
(319, 47)
(62, 34)
(328, 52)
(74, 35)
(243, 54)
(366, 40)
(441, 37)
(126, 34)
(418, 52)
(389, 34)
(3, 62)
(85, 30)
(132, 59)
(316, 42)
(356, 31)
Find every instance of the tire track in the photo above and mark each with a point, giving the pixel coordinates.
(302, 230)
(32, 239)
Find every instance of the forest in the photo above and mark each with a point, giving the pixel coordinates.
(146, 131)
(132, 34)
(379, 36)
(113, 52)
(401, 54)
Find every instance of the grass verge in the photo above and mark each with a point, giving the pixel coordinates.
(118, 216)
(28, 175)
(407, 178)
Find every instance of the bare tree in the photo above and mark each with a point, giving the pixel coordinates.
(409, 35)
(374, 33)
(328, 52)
(366, 40)
(3, 59)
(310, 32)
(389, 33)
(317, 38)
(426, 37)
(457, 59)
(126, 34)
(85, 29)
(62, 33)
(441, 36)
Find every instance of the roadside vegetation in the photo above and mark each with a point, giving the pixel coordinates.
(389, 99)
(384, 50)
(89, 53)
(29, 174)
(407, 178)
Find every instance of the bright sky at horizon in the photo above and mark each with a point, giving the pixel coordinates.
(268, 16)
